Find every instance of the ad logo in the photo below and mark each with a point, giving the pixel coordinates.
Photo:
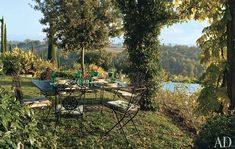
(225, 142)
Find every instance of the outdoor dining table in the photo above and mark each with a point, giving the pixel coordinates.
(52, 89)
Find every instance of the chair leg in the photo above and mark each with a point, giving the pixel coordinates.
(131, 119)
(136, 129)
(102, 101)
(81, 126)
(120, 125)
(49, 111)
(114, 125)
(58, 118)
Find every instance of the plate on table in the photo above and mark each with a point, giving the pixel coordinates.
(99, 82)
(121, 84)
(111, 84)
(62, 81)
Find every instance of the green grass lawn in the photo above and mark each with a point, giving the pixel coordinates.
(157, 131)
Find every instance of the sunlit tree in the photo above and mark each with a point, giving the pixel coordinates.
(83, 24)
(218, 56)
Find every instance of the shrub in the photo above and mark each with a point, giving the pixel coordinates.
(70, 71)
(181, 107)
(101, 58)
(217, 126)
(23, 62)
(18, 125)
(46, 75)
(93, 67)
(122, 62)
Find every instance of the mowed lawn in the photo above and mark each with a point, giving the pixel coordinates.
(157, 131)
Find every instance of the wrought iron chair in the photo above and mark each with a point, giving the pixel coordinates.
(36, 102)
(126, 107)
(69, 103)
(68, 100)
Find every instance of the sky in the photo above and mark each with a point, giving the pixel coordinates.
(23, 23)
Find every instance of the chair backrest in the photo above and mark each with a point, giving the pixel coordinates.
(138, 94)
(137, 78)
(137, 88)
(16, 84)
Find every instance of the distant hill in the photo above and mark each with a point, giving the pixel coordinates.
(42, 45)
(180, 60)
(28, 44)
(177, 60)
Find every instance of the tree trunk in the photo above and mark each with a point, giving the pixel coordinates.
(82, 61)
(231, 54)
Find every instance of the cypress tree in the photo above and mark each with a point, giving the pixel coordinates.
(5, 38)
(32, 49)
(10, 47)
(51, 55)
(2, 35)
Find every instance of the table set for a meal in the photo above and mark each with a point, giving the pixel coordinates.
(69, 93)
(70, 96)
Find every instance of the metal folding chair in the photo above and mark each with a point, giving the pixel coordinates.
(36, 102)
(69, 104)
(69, 101)
(126, 107)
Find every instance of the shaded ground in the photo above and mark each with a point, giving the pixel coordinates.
(178, 118)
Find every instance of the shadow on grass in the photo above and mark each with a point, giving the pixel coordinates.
(28, 84)
(5, 83)
(23, 83)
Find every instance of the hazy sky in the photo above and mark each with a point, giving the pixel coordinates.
(23, 23)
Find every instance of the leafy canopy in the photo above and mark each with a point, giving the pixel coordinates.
(213, 43)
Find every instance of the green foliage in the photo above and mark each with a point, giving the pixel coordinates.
(213, 99)
(216, 126)
(2, 35)
(5, 38)
(122, 62)
(143, 20)
(32, 48)
(89, 27)
(10, 47)
(181, 63)
(181, 60)
(157, 130)
(23, 62)
(182, 108)
(1, 67)
(81, 25)
(100, 57)
(49, 10)
(51, 55)
(214, 43)
(27, 44)
(18, 125)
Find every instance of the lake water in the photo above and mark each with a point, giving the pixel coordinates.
(189, 87)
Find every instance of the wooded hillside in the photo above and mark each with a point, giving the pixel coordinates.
(177, 60)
